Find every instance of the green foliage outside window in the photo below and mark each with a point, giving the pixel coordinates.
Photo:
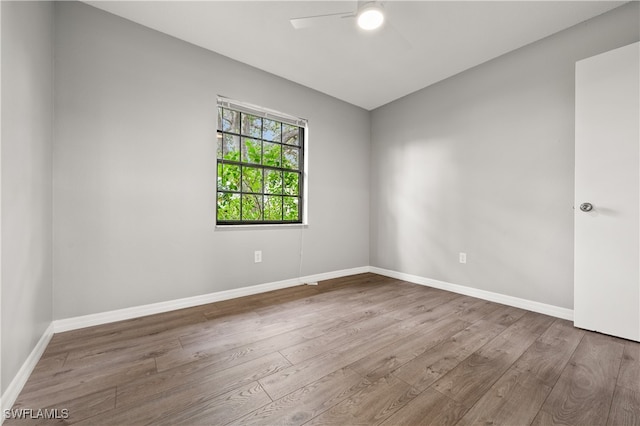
(259, 171)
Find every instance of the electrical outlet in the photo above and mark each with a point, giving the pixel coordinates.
(463, 257)
(257, 256)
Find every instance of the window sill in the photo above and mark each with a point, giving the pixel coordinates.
(262, 226)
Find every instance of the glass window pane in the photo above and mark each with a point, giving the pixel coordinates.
(228, 177)
(291, 183)
(272, 208)
(290, 134)
(259, 169)
(290, 208)
(251, 151)
(272, 181)
(251, 125)
(272, 130)
(291, 158)
(228, 206)
(231, 147)
(229, 121)
(272, 154)
(251, 179)
(252, 207)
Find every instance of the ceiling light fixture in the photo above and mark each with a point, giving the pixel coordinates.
(370, 17)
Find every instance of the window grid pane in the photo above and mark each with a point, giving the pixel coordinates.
(259, 172)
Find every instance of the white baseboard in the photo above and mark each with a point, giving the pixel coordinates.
(74, 323)
(8, 398)
(15, 387)
(542, 308)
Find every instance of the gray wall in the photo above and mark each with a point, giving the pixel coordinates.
(483, 163)
(27, 117)
(134, 171)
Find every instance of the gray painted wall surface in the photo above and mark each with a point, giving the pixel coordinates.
(27, 123)
(134, 171)
(483, 163)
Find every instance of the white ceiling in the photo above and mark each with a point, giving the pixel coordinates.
(421, 43)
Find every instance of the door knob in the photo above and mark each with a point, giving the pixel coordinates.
(586, 207)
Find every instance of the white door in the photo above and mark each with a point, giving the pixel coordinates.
(607, 238)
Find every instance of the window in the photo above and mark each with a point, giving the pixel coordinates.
(260, 166)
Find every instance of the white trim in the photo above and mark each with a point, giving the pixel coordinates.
(259, 111)
(260, 226)
(15, 387)
(74, 323)
(335, 274)
(542, 308)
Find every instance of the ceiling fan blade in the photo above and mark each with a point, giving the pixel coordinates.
(311, 21)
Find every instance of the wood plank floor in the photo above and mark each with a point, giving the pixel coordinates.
(364, 349)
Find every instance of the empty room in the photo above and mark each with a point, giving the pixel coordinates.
(320, 212)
